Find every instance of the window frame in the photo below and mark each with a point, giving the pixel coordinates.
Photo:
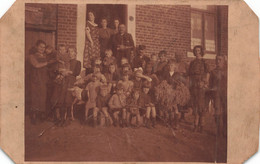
(210, 13)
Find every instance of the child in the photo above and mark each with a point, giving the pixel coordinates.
(148, 105)
(133, 106)
(154, 61)
(112, 77)
(162, 63)
(117, 105)
(109, 59)
(102, 104)
(218, 87)
(63, 63)
(92, 89)
(74, 71)
(199, 76)
(126, 83)
(140, 59)
(173, 78)
(98, 74)
(126, 68)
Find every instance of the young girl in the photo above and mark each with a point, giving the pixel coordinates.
(117, 104)
(199, 77)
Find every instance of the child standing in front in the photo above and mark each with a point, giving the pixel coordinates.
(92, 88)
(102, 104)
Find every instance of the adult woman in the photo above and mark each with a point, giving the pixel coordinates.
(39, 78)
(104, 37)
(92, 46)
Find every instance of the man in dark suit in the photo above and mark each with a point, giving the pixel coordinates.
(122, 44)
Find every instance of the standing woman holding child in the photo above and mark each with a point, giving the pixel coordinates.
(39, 79)
(92, 46)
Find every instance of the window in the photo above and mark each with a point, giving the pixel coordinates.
(203, 28)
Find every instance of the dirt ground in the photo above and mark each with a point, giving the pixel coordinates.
(84, 143)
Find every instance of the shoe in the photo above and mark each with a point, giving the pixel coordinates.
(153, 122)
(107, 121)
(148, 125)
(95, 123)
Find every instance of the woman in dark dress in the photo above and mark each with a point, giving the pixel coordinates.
(92, 46)
(39, 79)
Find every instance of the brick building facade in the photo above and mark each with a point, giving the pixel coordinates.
(159, 27)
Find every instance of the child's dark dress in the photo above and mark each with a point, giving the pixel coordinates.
(61, 96)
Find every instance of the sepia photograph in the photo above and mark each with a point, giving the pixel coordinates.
(125, 82)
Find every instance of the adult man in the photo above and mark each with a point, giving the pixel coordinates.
(122, 44)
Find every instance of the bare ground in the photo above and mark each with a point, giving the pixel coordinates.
(84, 143)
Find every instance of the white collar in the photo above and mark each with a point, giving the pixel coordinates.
(93, 24)
(171, 73)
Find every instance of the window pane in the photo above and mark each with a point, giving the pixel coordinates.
(210, 33)
(209, 8)
(196, 29)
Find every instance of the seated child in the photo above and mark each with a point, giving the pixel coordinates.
(92, 88)
(133, 106)
(162, 63)
(126, 83)
(63, 63)
(98, 74)
(109, 59)
(102, 104)
(147, 105)
(117, 104)
(112, 77)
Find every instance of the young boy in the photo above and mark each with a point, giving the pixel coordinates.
(117, 104)
(148, 105)
(126, 83)
(102, 104)
(92, 88)
(133, 106)
(109, 59)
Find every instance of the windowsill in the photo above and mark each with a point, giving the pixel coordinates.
(206, 56)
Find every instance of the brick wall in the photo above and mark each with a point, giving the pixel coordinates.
(67, 24)
(168, 27)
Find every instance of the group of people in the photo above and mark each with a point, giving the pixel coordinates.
(120, 83)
